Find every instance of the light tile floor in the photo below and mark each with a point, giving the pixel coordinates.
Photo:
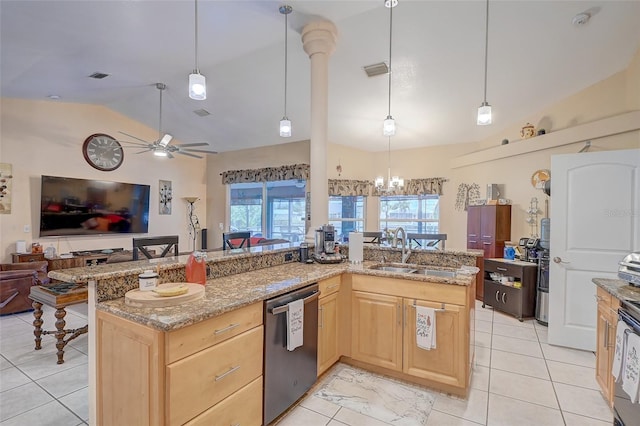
(34, 389)
(519, 379)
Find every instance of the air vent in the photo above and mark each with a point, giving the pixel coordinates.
(99, 75)
(202, 112)
(376, 69)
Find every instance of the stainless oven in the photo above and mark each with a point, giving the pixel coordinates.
(625, 412)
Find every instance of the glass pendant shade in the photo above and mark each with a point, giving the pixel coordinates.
(389, 126)
(197, 86)
(285, 127)
(484, 114)
(379, 182)
(396, 182)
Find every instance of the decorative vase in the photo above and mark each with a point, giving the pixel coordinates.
(528, 131)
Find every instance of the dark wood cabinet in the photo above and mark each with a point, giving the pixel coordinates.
(58, 262)
(488, 227)
(27, 257)
(519, 302)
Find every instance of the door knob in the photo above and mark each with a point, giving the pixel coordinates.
(559, 260)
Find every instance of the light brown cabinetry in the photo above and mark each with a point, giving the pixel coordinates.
(193, 374)
(328, 332)
(53, 264)
(606, 336)
(488, 227)
(384, 330)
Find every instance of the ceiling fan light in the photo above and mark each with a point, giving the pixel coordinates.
(159, 152)
(285, 127)
(484, 114)
(389, 126)
(165, 140)
(197, 86)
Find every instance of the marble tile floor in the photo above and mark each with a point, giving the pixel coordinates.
(34, 389)
(519, 379)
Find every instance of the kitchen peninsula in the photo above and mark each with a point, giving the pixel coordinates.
(194, 362)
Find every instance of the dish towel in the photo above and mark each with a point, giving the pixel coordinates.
(631, 368)
(295, 324)
(621, 343)
(425, 327)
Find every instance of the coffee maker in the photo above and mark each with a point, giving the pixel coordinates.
(325, 245)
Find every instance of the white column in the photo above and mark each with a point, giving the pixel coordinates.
(319, 42)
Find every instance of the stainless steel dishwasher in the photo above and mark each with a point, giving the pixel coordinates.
(289, 374)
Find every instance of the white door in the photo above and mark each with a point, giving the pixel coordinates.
(595, 222)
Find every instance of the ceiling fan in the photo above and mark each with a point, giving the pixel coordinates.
(162, 147)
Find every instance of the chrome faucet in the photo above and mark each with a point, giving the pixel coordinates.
(406, 249)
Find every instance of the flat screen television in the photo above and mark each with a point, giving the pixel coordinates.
(70, 206)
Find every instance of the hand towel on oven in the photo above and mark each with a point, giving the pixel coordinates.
(425, 327)
(631, 367)
(295, 324)
(621, 343)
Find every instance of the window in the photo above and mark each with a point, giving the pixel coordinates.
(270, 209)
(346, 214)
(415, 213)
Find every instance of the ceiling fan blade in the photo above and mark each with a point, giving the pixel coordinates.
(190, 155)
(134, 137)
(134, 144)
(183, 145)
(145, 150)
(200, 150)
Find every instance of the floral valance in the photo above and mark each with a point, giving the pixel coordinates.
(267, 174)
(349, 188)
(424, 186)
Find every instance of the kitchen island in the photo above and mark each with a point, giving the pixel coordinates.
(150, 352)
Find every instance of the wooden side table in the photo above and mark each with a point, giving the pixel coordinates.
(58, 296)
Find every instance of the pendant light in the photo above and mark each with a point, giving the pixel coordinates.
(393, 182)
(389, 125)
(197, 81)
(484, 112)
(285, 123)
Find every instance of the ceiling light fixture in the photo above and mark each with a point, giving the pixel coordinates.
(285, 123)
(160, 152)
(389, 125)
(197, 81)
(484, 112)
(393, 182)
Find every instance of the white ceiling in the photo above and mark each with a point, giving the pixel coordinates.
(536, 57)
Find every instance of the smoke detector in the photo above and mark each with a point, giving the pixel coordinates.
(581, 19)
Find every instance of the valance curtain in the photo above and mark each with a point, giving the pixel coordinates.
(349, 188)
(267, 174)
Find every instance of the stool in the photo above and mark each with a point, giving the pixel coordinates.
(59, 296)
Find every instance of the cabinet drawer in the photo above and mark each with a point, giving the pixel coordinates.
(242, 408)
(189, 340)
(27, 257)
(603, 297)
(329, 286)
(503, 268)
(200, 381)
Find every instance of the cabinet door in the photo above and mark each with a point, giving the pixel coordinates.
(473, 227)
(446, 363)
(377, 329)
(603, 368)
(327, 332)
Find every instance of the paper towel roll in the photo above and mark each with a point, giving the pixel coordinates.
(356, 241)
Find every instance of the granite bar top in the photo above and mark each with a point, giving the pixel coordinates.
(620, 289)
(231, 292)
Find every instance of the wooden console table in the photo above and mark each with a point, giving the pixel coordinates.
(60, 262)
(58, 296)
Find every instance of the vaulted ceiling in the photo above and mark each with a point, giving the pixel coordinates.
(536, 57)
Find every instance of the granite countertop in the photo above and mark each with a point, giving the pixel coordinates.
(121, 269)
(235, 291)
(618, 288)
(512, 262)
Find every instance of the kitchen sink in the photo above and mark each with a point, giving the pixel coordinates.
(436, 273)
(394, 269)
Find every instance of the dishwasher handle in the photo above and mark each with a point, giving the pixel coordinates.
(284, 308)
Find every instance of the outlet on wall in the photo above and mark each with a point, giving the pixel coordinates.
(27, 229)
(221, 226)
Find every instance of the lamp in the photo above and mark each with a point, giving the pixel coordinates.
(484, 112)
(193, 224)
(197, 81)
(389, 125)
(285, 123)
